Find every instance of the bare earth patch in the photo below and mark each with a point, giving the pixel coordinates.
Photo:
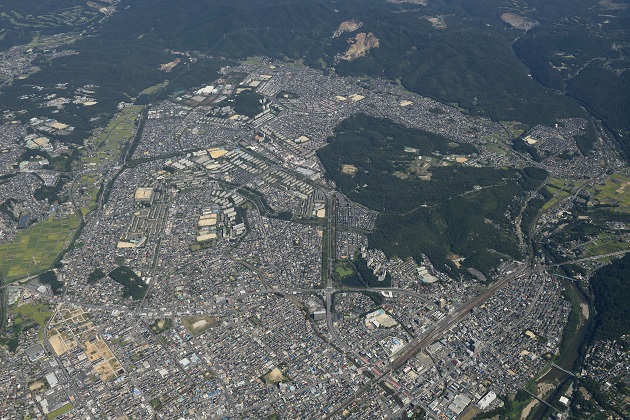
(436, 21)
(518, 21)
(542, 389)
(457, 259)
(36, 385)
(528, 408)
(169, 66)
(422, 2)
(348, 169)
(360, 45)
(199, 323)
(275, 376)
(347, 26)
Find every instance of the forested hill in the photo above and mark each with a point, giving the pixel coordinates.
(611, 290)
(541, 63)
(457, 213)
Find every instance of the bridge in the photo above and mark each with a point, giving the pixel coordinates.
(542, 401)
(564, 370)
(565, 277)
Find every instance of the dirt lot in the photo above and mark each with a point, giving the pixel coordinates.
(199, 323)
(360, 45)
(518, 21)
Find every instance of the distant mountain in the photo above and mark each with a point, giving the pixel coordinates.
(534, 62)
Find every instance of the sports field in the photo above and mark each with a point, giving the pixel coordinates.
(36, 248)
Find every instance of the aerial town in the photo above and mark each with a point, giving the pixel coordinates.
(203, 250)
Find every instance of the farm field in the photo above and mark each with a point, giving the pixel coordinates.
(38, 312)
(615, 191)
(560, 188)
(35, 249)
(603, 245)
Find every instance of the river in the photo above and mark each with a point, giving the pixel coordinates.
(568, 357)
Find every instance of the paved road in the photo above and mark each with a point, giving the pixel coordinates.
(595, 257)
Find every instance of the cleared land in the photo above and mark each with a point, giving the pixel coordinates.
(199, 323)
(108, 366)
(360, 45)
(274, 376)
(518, 21)
(60, 345)
(169, 66)
(347, 26)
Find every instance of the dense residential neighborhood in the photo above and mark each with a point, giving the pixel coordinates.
(204, 257)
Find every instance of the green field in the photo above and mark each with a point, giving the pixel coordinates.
(61, 410)
(119, 130)
(343, 271)
(615, 191)
(604, 244)
(25, 317)
(110, 143)
(560, 188)
(35, 249)
(39, 313)
(40, 41)
(155, 88)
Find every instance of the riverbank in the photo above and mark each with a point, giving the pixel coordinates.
(554, 382)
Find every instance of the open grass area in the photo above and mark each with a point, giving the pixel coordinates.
(61, 410)
(43, 41)
(38, 312)
(155, 88)
(119, 130)
(161, 325)
(35, 249)
(515, 128)
(343, 270)
(25, 317)
(500, 148)
(108, 146)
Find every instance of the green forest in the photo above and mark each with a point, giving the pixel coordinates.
(460, 211)
(133, 285)
(476, 62)
(611, 290)
(50, 278)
